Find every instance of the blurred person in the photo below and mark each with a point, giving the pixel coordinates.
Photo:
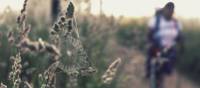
(164, 35)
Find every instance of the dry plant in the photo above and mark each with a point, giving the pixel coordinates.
(16, 68)
(64, 34)
(111, 71)
(22, 42)
(14, 75)
(3, 85)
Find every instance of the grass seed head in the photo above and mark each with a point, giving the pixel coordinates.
(70, 10)
(111, 71)
(3, 85)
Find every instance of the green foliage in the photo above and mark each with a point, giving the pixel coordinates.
(132, 35)
(189, 61)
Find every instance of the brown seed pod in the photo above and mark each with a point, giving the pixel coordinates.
(56, 28)
(70, 25)
(70, 10)
(62, 19)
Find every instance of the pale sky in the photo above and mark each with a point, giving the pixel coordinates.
(131, 8)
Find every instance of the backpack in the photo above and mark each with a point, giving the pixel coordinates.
(156, 40)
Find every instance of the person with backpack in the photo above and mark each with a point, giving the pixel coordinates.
(164, 35)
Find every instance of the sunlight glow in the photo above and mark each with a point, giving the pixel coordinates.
(138, 8)
(130, 8)
(13, 4)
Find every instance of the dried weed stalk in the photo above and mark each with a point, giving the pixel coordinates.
(16, 68)
(14, 75)
(3, 85)
(111, 71)
(24, 45)
(65, 35)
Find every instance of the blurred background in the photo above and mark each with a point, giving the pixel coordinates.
(108, 29)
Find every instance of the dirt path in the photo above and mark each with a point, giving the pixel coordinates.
(133, 75)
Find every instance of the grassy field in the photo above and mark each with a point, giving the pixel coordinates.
(104, 39)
